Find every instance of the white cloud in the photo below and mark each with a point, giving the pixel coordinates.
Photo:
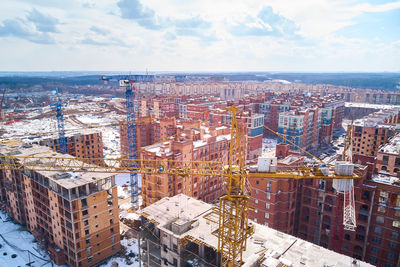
(193, 35)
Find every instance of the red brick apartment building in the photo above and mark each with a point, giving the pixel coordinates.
(73, 215)
(82, 144)
(148, 131)
(372, 132)
(255, 126)
(312, 210)
(191, 144)
(388, 157)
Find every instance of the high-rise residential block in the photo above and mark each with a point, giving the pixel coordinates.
(73, 215)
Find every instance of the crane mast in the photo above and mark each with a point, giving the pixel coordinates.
(130, 119)
(60, 125)
(234, 206)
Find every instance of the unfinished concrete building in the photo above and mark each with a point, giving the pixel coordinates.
(73, 215)
(180, 231)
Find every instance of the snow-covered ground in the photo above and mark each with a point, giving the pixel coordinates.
(90, 119)
(269, 145)
(15, 242)
(28, 127)
(111, 142)
(123, 178)
(131, 247)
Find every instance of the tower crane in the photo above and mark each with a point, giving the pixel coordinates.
(234, 227)
(128, 84)
(60, 125)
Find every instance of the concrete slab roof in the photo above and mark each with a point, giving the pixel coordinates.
(64, 178)
(273, 247)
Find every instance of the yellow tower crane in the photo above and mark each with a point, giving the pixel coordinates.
(234, 228)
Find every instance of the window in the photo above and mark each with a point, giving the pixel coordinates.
(111, 212)
(397, 201)
(267, 215)
(88, 241)
(84, 202)
(392, 244)
(256, 201)
(86, 222)
(347, 237)
(366, 195)
(381, 209)
(89, 259)
(374, 250)
(256, 211)
(111, 221)
(378, 230)
(269, 186)
(112, 239)
(112, 230)
(268, 196)
(89, 250)
(373, 260)
(377, 240)
(388, 264)
(383, 197)
(257, 182)
(395, 234)
(267, 205)
(86, 231)
(380, 219)
(396, 224)
(85, 212)
(390, 255)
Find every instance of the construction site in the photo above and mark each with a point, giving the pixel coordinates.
(200, 171)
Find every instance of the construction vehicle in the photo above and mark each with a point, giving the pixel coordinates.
(234, 227)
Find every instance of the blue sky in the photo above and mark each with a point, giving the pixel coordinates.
(200, 35)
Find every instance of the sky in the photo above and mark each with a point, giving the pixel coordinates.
(200, 35)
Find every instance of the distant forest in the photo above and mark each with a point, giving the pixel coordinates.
(384, 81)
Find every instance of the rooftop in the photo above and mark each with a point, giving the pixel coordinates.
(393, 146)
(196, 217)
(385, 178)
(58, 175)
(368, 105)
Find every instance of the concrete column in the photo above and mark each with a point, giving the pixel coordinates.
(201, 251)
